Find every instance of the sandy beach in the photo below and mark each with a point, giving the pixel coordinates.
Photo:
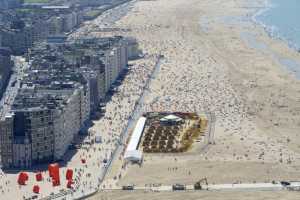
(210, 66)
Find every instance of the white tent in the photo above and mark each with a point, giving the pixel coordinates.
(135, 156)
(131, 150)
(170, 118)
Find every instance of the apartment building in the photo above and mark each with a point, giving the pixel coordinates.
(62, 86)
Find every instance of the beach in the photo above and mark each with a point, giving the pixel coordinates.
(209, 66)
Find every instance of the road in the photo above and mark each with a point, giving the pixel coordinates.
(13, 85)
(227, 187)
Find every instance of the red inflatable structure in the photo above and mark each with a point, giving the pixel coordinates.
(69, 184)
(52, 168)
(55, 182)
(54, 173)
(38, 176)
(23, 177)
(69, 174)
(36, 189)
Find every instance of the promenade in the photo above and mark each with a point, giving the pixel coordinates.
(294, 186)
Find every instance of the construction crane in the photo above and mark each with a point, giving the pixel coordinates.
(198, 184)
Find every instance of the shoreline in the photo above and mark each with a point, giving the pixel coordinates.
(290, 65)
(268, 5)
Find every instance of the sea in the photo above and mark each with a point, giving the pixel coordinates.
(281, 18)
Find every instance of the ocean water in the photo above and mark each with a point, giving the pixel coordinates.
(282, 20)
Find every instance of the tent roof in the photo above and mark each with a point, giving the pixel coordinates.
(136, 135)
(134, 155)
(171, 117)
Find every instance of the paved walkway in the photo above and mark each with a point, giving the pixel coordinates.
(226, 187)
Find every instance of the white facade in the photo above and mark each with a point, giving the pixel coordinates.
(67, 125)
(115, 61)
(111, 68)
(69, 120)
